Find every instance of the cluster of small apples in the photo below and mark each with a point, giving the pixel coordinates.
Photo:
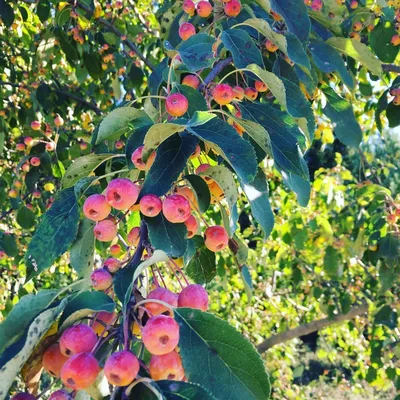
(73, 358)
(122, 194)
(204, 9)
(395, 92)
(394, 216)
(316, 5)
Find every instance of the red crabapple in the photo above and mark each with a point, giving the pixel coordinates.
(35, 161)
(232, 9)
(119, 144)
(216, 238)
(191, 80)
(251, 93)
(192, 226)
(164, 295)
(238, 93)
(58, 121)
(54, 360)
(176, 208)
(3, 255)
(80, 371)
(176, 104)
(188, 7)
(115, 249)
(50, 146)
(28, 140)
(101, 279)
(61, 395)
(188, 193)
(121, 368)
(204, 9)
(105, 230)
(160, 335)
(193, 296)
(222, 93)
(260, 86)
(23, 396)
(186, 30)
(203, 168)
(353, 4)
(103, 319)
(168, 366)
(35, 125)
(133, 236)
(271, 46)
(77, 339)
(122, 193)
(112, 265)
(150, 205)
(20, 146)
(96, 207)
(138, 160)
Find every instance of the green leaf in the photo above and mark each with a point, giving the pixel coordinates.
(8, 244)
(56, 231)
(379, 40)
(357, 50)
(257, 194)
(92, 63)
(116, 123)
(331, 262)
(82, 250)
(196, 52)
(386, 315)
(68, 47)
(170, 161)
(389, 249)
(393, 115)
(15, 356)
(84, 304)
(196, 100)
(327, 59)
(283, 134)
(216, 356)
(43, 96)
(241, 45)
(237, 151)
(166, 236)
(201, 268)
(156, 80)
(299, 185)
(83, 167)
(295, 14)
(63, 16)
(158, 133)
(340, 112)
(201, 191)
(289, 44)
(248, 283)
(22, 314)
(6, 13)
(43, 10)
(175, 390)
(26, 218)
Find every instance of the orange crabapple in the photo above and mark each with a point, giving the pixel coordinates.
(188, 7)
(133, 236)
(121, 368)
(105, 231)
(271, 46)
(28, 140)
(122, 193)
(222, 94)
(112, 265)
(251, 93)
(192, 81)
(20, 146)
(77, 339)
(216, 192)
(166, 366)
(233, 8)
(216, 238)
(115, 249)
(188, 193)
(176, 208)
(353, 4)
(36, 125)
(150, 205)
(103, 318)
(35, 161)
(80, 371)
(186, 30)
(192, 226)
(260, 86)
(238, 93)
(193, 296)
(101, 279)
(164, 295)
(12, 193)
(96, 207)
(176, 104)
(58, 121)
(204, 9)
(160, 335)
(54, 360)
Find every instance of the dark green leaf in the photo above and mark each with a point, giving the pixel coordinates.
(26, 218)
(299, 185)
(257, 194)
(295, 14)
(248, 283)
(241, 45)
(92, 63)
(43, 10)
(238, 151)
(380, 38)
(341, 114)
(84, 304)
(123, 280)
(68, 47)
(201, 268)
(216, 356)
(171, 158)
(393, 115)
(6, 13)
(386, 316)
(56, 231)
(175, 390)
(8, 244)
(156, 80)
(166, 236)
(134, 77)
(196, 52)
(201, 191)
(389, 249)
(43, 96)
(331, 262)
(296, 51)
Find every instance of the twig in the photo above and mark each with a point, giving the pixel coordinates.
(215, 71)
(391, 68)
(310, 327)
(80, 100)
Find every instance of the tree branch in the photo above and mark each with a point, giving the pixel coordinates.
(80, 100)
(9, 83)
(215, 71)
(112, 28)
(310, 327)
(391, 68)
